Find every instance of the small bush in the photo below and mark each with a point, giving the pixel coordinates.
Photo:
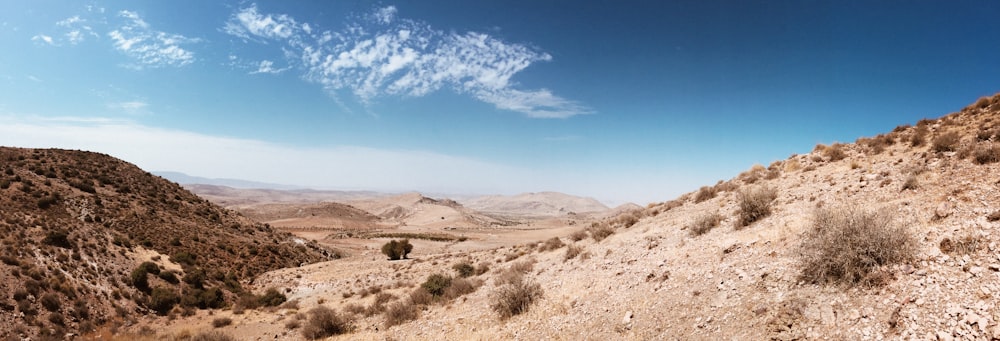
(945, 142)
(436, 284)
(271, 298)
(572, 251)
(51, 302)
(460, 287)
(162, 300)
(993, 216)
(401, 312)
(835, 152)
(464, 269)
(169, 277)
(58, 238)
(419, 296)
(183, 258)
(919, 135)
(847, 245)
(323, 322)
(600, 231)
(755, 204)
(705, 193)
(150, 268)
(138, 279)
(551, 244)
(221, 322)
(46, 201)
(397, 250)
(515, 297)
(911, 182)
(578, 235)
(704, 223)
(987, 154)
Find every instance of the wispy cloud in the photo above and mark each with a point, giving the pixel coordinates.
(384, 55)
(267, 66)
(43, 39)
(77, 29)
(130, 106)
(148, 47)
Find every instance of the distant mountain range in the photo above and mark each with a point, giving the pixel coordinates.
(185, 179)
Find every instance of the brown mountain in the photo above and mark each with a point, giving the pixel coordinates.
(77, 225)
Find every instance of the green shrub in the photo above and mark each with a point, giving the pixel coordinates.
(436, 283)
(195, 277)
(271, 298)
(848, 245)
(138, 279)
(162, 300)
(169, 277)
(464, 269)
(150, 268)
(755, 204)
(184, 258)
(397, 250)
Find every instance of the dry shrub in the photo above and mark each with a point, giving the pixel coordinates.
(578, 235)
(964, 245)
(460, 287)
(221, 322)
(945, 142)
(465, 269)
(848, 245)
(911, 182)
(551, 244)
(324, 322)
(401, 312)
(704, 223)
(600, 231)
(436, 283)
(515, 296)
(919, 135)
(985, 134)
(835, 152)
(755, 204)
(572, 251)
(792, 165)
(419, 296)
(986, 154)
(705, 193)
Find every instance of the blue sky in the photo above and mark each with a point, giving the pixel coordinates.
(622, 101)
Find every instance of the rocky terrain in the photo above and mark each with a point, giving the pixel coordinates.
(889, 237)
(77, 226)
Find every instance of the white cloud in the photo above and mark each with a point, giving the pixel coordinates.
(249, 22)
(43, 38)
(148, 47)
(267, 66)
(387, 56)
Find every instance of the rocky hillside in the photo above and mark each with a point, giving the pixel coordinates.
(543, 204)
(890, 237)
(77, 227)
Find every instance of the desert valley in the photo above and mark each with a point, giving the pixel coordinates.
(890, 237)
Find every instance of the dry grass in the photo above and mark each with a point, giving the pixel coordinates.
(911, 182)
(848, 245)
(755, 204)
(835, 152)
(704, 223)
(599, 231)
(221, 322)
(553, 243)
(212, 336)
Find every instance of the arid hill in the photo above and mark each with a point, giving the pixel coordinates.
(77, 227)
(890, 237)
(542, 204)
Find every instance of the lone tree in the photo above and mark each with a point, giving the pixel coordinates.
(397, 250)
